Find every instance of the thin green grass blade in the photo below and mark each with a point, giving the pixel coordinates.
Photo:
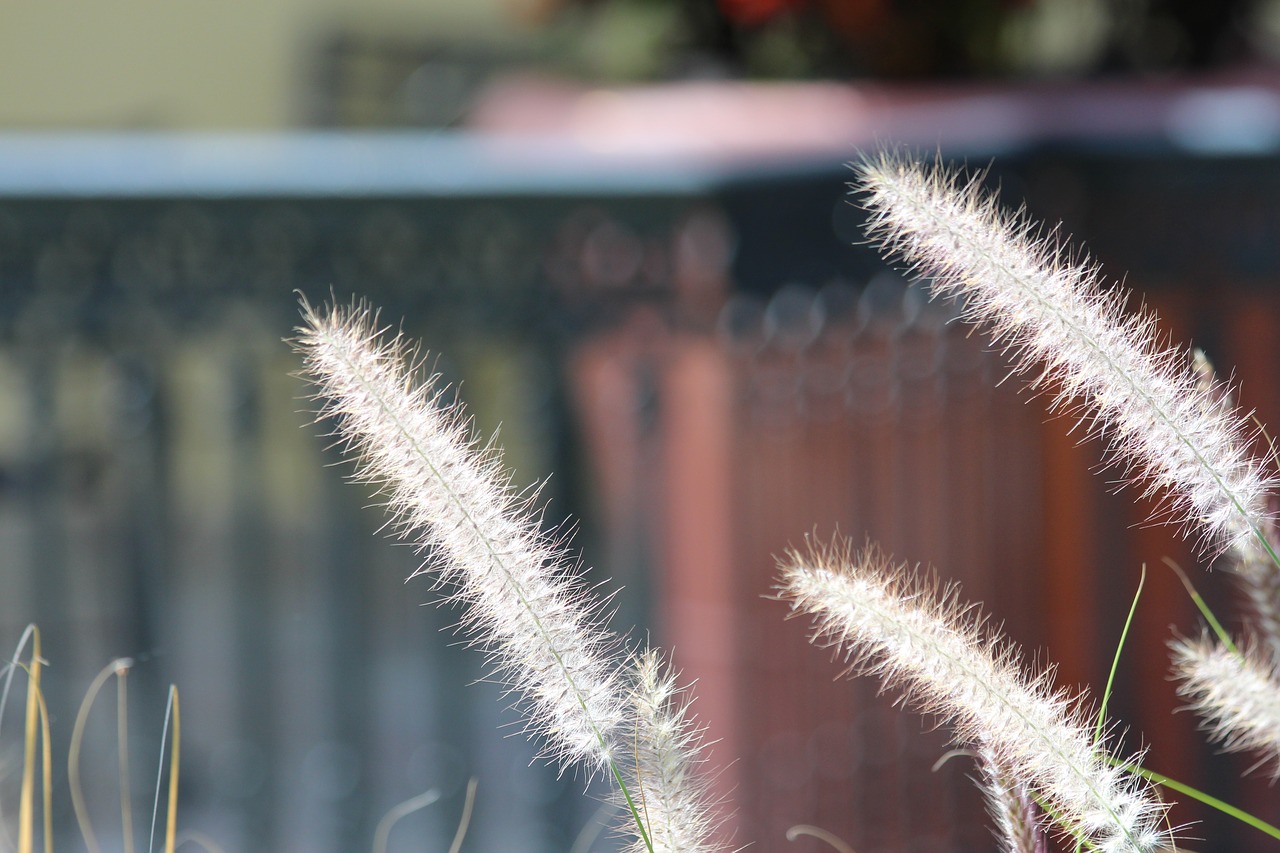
(631, 806)
(1218, 630)
(1115, 660)
(1208, 799)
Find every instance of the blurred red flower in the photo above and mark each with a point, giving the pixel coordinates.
(755, 12)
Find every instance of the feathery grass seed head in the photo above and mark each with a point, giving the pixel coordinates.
(451, 498)
(1235, 693)
(923, 640)
(1046, 305)
(1010, 805)
(667, 752)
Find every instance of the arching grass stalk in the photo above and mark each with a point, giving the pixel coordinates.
(804, 830)
(37, 735)
(30, 728)
(1100, 727)
(172, 729)
(46, 770)
(382, 833)
(122, 757)
(464, 822)
(117, 668)
(35, 730)
(1201, 605)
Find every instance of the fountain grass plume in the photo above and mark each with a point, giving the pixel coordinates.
(667, 750)
(1249, 561)
(1017, 824)
(1235, 692)
(449, 495)
(546, 638)
(1047, 306)
(919, 637)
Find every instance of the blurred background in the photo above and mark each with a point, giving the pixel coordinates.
(622, 229)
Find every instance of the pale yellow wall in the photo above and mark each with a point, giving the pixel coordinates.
(194, 64)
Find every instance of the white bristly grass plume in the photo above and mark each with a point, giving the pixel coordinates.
(1047, 306)
(920, 638)
(1261, 581)
(667, 749)
(1235, 692)
(1010, 806)
(1249, 561)
(450, 497)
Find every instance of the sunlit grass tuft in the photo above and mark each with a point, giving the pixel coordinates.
(37, 755)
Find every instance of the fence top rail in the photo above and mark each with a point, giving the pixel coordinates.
(676, 139)
(111, 164)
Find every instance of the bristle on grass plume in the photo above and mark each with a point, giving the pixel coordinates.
(1046, 305)
(921, 639)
